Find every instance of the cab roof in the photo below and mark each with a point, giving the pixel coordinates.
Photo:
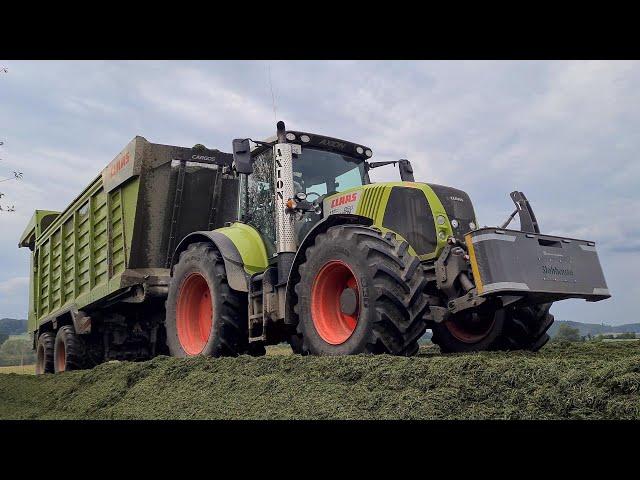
(323, 142)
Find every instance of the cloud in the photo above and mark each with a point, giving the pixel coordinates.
(567, 133)
(14, 285)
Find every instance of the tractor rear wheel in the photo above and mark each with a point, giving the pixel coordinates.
(360, 291)
(44, 353)
(69, 351)
(521, 328)
(204, 315)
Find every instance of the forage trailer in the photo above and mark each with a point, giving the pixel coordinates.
(198, 252)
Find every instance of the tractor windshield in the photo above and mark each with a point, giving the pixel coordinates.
(314, 171)
(324, 172)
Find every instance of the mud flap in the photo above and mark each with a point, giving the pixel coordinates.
(542, 268)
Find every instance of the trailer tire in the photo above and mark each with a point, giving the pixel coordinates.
(360, 291)
(69, 351)
(44, 353)
(204, 315)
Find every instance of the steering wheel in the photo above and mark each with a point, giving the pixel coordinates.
(314, 193)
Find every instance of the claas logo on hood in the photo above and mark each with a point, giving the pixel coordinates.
(350, 197)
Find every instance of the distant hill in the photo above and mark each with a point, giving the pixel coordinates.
(595, 328)
(13, 326)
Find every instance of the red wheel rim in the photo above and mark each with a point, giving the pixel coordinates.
(194, 314)
(471, 328)
(332, 324)
(61, 357)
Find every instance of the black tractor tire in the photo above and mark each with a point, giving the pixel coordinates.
(385, 307)
(527, 328)
(256, 350)
(44, 353)
(467, 332)
(523, 328)
(205, 316)
(69, 352)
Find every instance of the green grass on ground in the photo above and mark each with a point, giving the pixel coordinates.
(563, 381)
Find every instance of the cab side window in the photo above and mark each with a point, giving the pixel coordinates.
(258, 203)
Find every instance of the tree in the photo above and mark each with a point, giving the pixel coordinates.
(15, 346)
(626, 336)
(567, 333)
(16, 351)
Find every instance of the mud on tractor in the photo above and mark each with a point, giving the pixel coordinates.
(314, 254)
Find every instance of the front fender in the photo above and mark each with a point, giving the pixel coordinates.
(241, 247)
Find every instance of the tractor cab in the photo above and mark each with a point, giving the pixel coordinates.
(320, 167)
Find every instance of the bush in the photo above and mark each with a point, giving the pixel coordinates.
(567, 334)
(17, 351)
(626, 336)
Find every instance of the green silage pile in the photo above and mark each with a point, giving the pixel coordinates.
(570, 381)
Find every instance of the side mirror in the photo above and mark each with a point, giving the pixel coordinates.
(242, 155)
(406, 170)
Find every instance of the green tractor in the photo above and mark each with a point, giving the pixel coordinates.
(324, 259)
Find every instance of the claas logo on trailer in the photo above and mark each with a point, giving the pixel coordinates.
(119, 164)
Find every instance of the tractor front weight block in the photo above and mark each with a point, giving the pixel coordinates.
(539, 268)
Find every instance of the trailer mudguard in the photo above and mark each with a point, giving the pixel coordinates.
(540, 267)
(242, 249)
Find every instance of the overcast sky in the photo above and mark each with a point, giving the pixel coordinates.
(565, 133)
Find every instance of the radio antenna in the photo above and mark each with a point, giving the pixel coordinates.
(273, 98)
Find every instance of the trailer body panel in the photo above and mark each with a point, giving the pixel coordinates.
(122, 229)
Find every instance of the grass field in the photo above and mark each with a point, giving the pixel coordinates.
(25, 370)
(562, 381)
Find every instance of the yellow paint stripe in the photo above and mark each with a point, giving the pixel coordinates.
(474, 263)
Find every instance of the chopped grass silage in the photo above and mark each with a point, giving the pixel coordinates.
(563, 381)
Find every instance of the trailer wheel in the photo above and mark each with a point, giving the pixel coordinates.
(69, 351)
(44, 353)
(360, 291)
(204, 315)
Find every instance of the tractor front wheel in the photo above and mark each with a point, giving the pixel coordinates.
(523, 328)
(469, 332)
(360, 291)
